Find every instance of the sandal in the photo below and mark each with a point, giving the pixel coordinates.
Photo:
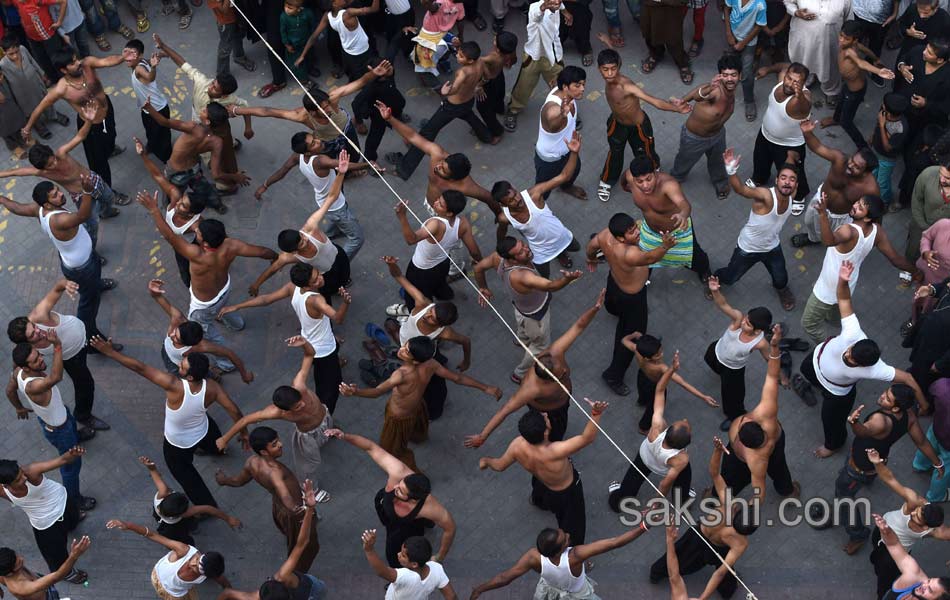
(142, 23)
(168, 9)
(184, 21)
(479, 22)
(248, 64)
(750, 112)
(587, 60)
(798, 207)
(103, 43)
(618, 387)
(565, 260)
(648, 64)
(686, 76)
(76, 576)
(323, 497)
(696, 48)
(397, 310)
(511, 121)
(515, 379)
(616, 37)
(800, 240)
(603, 191)
(804, 390)
(270, 89)
(723, 193)
(125, 32)
(787, 298)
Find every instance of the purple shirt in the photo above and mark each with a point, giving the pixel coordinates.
(940, 390)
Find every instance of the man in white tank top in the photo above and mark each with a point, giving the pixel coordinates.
(557, 124)
(561, 565)
(344, 20)
(34, 329)
(527, 212)
(143, 75)
(759, 239)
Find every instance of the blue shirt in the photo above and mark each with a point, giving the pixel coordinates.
(743, 18)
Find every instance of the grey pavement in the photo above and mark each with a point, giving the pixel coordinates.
(495, 523)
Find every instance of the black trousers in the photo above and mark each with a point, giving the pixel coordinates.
(767, 155)
(43, 51)
(398, 42)
(493, 104)
(430, 282)
(336, 277)
(445, 114)
(396, 533)
(845, 112)
(579, 30)
(277, 69)
(742, 261)
(731, 384)
(100, 143)
(874, 36)
(630, 486)
(567, 506)
(436, 391)
(545, 170)
(693, 554)
(558, 419)
(181, 464)
(327, 377)
(737, 474)
(390, 95)
(885, 569)
(834, 409)
(158, 139)
(83, 383)
(631, 312)
(646, 395)
(53, 541)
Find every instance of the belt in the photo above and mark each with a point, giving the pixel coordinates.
(52, 428)
(857, 470)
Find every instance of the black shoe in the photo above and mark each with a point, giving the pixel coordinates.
(86, 434)
(94, 422)
(86, 503)
(479, 22)
(725, 425)
(804, 389)
(800, 240)
(617, 387)
(109, 214)
(102, 261)
(122, 199)
(117, 150)
(498, 25)
(106, 284)
(818, 517)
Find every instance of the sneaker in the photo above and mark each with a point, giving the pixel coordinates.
(603, 191)
(498, 25)
(94, 422)
(397, 310)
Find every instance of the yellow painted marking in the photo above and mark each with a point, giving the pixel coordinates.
(679, 281)
(2, 239)
(799, 254)
(127, 90)
(158, 264)
(154, 249)
(159, 272)
(594, 96)
(3, 224)
(21, 267)
(32, 269)
(473, 216)
(798, 226)
(152, 260)
(802, 268)
(478, 146)
(109, 89)
(10, 184)
(413, 92)
(296, 92)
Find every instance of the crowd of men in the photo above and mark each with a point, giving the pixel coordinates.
(787, 50)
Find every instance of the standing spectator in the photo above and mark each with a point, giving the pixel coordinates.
(543, 57)
(924, 79)
(28, 84)
(10, 18)
(922, 20)
(939, 436)
(934, 261)
(661, 23)
(873, 18)
(98, 30)
(699, 25)
(813, 40)
(272, 12)
(774, 36)
(612, 15)
(185, 15)
(296, 24)
(930, 203)
(746, 19)
(12, 119)
(443, 15)
(888, 141)
(398, 16)
(73, 29)
(229, 37)
(575, 25)
(40, 29)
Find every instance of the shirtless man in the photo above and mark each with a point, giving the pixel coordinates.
(628, 123)
(853, 69)
(558, 123)
(848, 180)
(80, 86)
(757, 439)
(209, 265)
(912, 582)
(626, 296)
(404, 505)
(490, 93)
(24, 584)
(406, 419)
(728, 536)
(458, 100)
(666, 210)
(556, 485)
(705, 130)
(541, 392)
(287, 506)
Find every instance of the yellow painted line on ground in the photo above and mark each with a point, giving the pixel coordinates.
(3, 224)
(159, 272)
(799, 254)
(594, 96)
(154, 249)
(10, 184)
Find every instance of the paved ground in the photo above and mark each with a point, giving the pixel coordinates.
(494, 523)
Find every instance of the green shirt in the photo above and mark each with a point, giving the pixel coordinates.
(927, 204)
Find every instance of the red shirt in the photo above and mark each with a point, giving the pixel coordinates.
(36, 19)
(224, 16)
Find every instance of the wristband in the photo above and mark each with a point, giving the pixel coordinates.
(146, 532)
(643, 525)
(940, 466)
(774, 357)
(732, 167)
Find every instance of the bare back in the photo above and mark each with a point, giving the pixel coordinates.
(406, 398)
(267, 473)
(209, 270)
(629, 277)
(556, 473)
(842, 190)
(66, 172)
(189, 145)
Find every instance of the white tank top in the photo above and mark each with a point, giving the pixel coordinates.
(54, 413)
(174, 354)
(170, 520)
(167, 572)
(170, 219)
(900, 525)
(321, 185)
(324, 258)
(546, 235)
(761, 232)
(427, 253)
(827, 284)
(75, 252)
(43, 504)
(559, 575)
(187, 425)
(71, 332)
(147, 91)
(354, 42)
(410, 327)
(733, 352)
(777, 126)
(316, 331)
(654, 455)
(551, 146)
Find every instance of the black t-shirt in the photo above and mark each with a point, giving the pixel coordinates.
(937, 25)
(897, 133)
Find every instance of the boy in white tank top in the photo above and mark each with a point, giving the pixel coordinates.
(557, 124)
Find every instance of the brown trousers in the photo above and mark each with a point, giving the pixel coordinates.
(398, 432)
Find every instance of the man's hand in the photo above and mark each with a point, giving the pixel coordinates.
(158, 41)
(885, 73)
(89, 109)
(718, 446)
(53, 338)
(574, 144)
(23, 413)
(680, 220)
(566, 104)
(495, 392)
(568, 18)
(383, 69)
(148, 463)
(856, 414)
(776, 338)
(234, 523)
(87, 185)
(808, 126)
(247, 376)
(308, 494)
(334, 433)
(907, 72)
(102, 345)
(713, 283)
(345, 295)
(343, 162)
(384, 111)
(918, 101)
(116, 524)
(369, 539)
(675, 365)
(485, 297)
(248, 133)
(932, 259)
(913, 32)
(348, 389)
(847, 268)
(75, 452)
(225, 311)
(242, 178)
(874, 457)
(571, 275)
(732, 160)
(474, 441)
(667, 239)
(79, 547)
(805, 15)
(596, 408)
(139, 146)
(156, 287)
(400, 209)
(259, 192)
(149, 201)
(681, 106)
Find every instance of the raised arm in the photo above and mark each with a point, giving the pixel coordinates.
(161, 488)
(567, 339)
(161, 378)
(77, 139)
(677, 585)
(574, 444)
(313, 221)
(392, 263)
(409, 134)
(45, 306)
(323, 24)
(735, 315)
(247, 250)
(168, 50)
(461, 379)
(394, 468)
(282, 261)
(531, 560)
(767, 408)
(732, 161)
(40, 585)
(156, 289)
(177, 242)
(379, 567)
(911, 497)
(52, 95)
(265, 414)
(736, 550)
(381, 70)
(20, 209)
(815, 145)
(42, 385)
(843, 291)
(182, 126)
(584, 552)
(180, 549)
(515, 403)
(911, 573)
(158, 177)
(658, 422)
(286, 570)
(277, 175)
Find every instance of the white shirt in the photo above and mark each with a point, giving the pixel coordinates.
(544, 39)
(409, 586)
(828, 361)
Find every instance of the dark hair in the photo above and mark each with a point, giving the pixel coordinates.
(507, 42)
(851, 29)
(876, 207)
(285, 397)
(896, 104)
(274, 590)
(532, 426)
(547, 543)
(212, 232)
(869, 157)
(300, 274)
(16, 329)
(941, 47)
(788, 167)
(799, 68)
(729, 61)
(760, 318)
(751, 435)
(945, 584)
(904, 397)
(418, 550)
(418, 486)
(41, 192)
(865, 352)
(198, 365)
(500, 190)
(190, 333)
(39, 155)
(298, 142)
(8, 471)
(642, 165)
(21, 354)
(9, 41)
(63, 59)
(744, 522)
(454, 201)
(620, 223)
(421, 348)
(505, 247)
(648, 346)
(678, 437)
(288, 240)
(320, 96)
(227, 82)
(197, 201)
(212, 563)
(7, 555)
(459, 166)
(173, 505)
(217, 114)
(446, 312)
(471, 50)
(548, 363)
(933, 517)
(926, 2)
(260, 437)
(136, 45)
(608, 57)
(570, 74)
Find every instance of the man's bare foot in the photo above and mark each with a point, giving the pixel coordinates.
(852, 547)
(828, 122)
(576, 191)
(822, 452)
(495, 140)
